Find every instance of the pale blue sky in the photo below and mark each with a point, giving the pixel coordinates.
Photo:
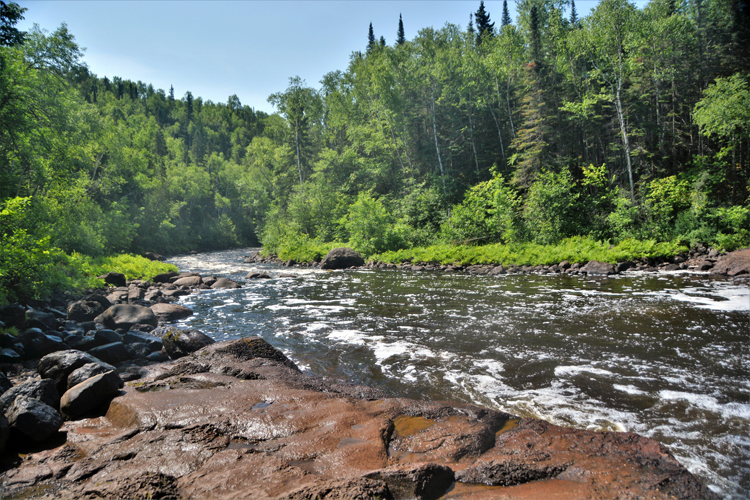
(250, 48)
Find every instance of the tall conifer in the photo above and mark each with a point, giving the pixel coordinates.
(573, 14)
(370, 39)
(400, 37)
(506, 15)
(485, 27)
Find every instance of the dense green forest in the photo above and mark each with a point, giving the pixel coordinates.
(623, 124)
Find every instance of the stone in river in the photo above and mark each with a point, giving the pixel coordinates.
(342, 258)
(167, 313)
(126, 315)
(33, 419)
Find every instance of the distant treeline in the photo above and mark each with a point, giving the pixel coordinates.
(625, 123)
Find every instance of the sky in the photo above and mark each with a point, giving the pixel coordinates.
(250, 48)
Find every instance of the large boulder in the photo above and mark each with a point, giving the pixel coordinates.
(188, 281)
(111, 353)
(342, 258)
(43, 390)
(90, 394)
(37, 344)
(9, 355)
(114, 279)
(126, 315)
(33, 419)
(734, 263)
(179, 343)
(84, 310)
(59, 365)
(85, 372)
(40, 319)
(166, 313)
(596, 268)
(153, 343)
(164, 277)
(224, 283)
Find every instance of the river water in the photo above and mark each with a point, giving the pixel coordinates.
(663, 355)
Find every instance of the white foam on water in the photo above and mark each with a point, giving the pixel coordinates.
(629, 389)
(571, 371)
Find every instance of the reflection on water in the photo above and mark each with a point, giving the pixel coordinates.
(664, 355)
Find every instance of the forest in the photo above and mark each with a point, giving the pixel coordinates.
(625, 125)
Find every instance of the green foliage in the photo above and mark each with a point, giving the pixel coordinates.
(575, 249)
(132, 266)
(553, 208)
(370, 226)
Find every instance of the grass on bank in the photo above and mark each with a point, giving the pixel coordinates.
(575, 249)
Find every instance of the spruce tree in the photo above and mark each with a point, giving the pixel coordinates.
(370, 39)
(506, 15)
(485, 27)
(470, 29)
(400, 37)
(171, 93)
(382, 41)
(573, 14)
(535, 36)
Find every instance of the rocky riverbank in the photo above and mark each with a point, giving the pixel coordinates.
(238, 420)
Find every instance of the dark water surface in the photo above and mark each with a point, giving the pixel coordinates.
(664, 355)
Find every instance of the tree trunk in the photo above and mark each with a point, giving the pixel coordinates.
(434, 133)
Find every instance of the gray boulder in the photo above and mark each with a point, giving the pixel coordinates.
(84, 310)
(90, 394)
(188, 281)
(224, 283)
(105, 336)
(164, 277)
(179, 343)
(59, 365)
(111, 353)
(114, 279)
(596, 268)
(40, 319)
(36, 344)
(125, 316)
(167, 313)
(33, 419)
(255, 275)
(43, 390)
(85, 372)
(342, 258)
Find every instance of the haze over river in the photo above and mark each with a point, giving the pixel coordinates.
(663, 355)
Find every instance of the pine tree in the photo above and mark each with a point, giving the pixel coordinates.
(485, 27)
(400, 37)
(470, 29)
(382, 41)
(506, 15)
(370, 39)
(573, 14)
(171, 93)
(189, 105)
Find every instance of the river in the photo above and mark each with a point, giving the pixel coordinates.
(664, 355)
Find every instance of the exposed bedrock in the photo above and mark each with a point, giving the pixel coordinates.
(238, 420)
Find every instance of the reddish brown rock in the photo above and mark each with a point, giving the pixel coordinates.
(734, 263)
(238, 420)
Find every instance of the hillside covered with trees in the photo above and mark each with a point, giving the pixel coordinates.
(623, 124)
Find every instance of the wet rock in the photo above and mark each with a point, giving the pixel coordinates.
(428, 481)
(8, 355)
(138, 350)
(254, 275)
(734, 263)
(158, 356)
(82, 343)
(136, 294)
(90, 394)
(85, 372)
(166, 313)
(671, 267)
(224, 283)
(37, 344)
(342, 258)
(508, 473)
(105, 336)
(113, 353)
(153, 343)
(179, 343)
(84, 310)
(139, 327)
(621, 267)
(40, 319)
(43, 390)
(33, 419)
(13, 315)
(596, 268)
(114, 279)
(59, 365)
(125, 316)
(164, 277)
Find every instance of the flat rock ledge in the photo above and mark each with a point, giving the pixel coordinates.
(237, 419)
